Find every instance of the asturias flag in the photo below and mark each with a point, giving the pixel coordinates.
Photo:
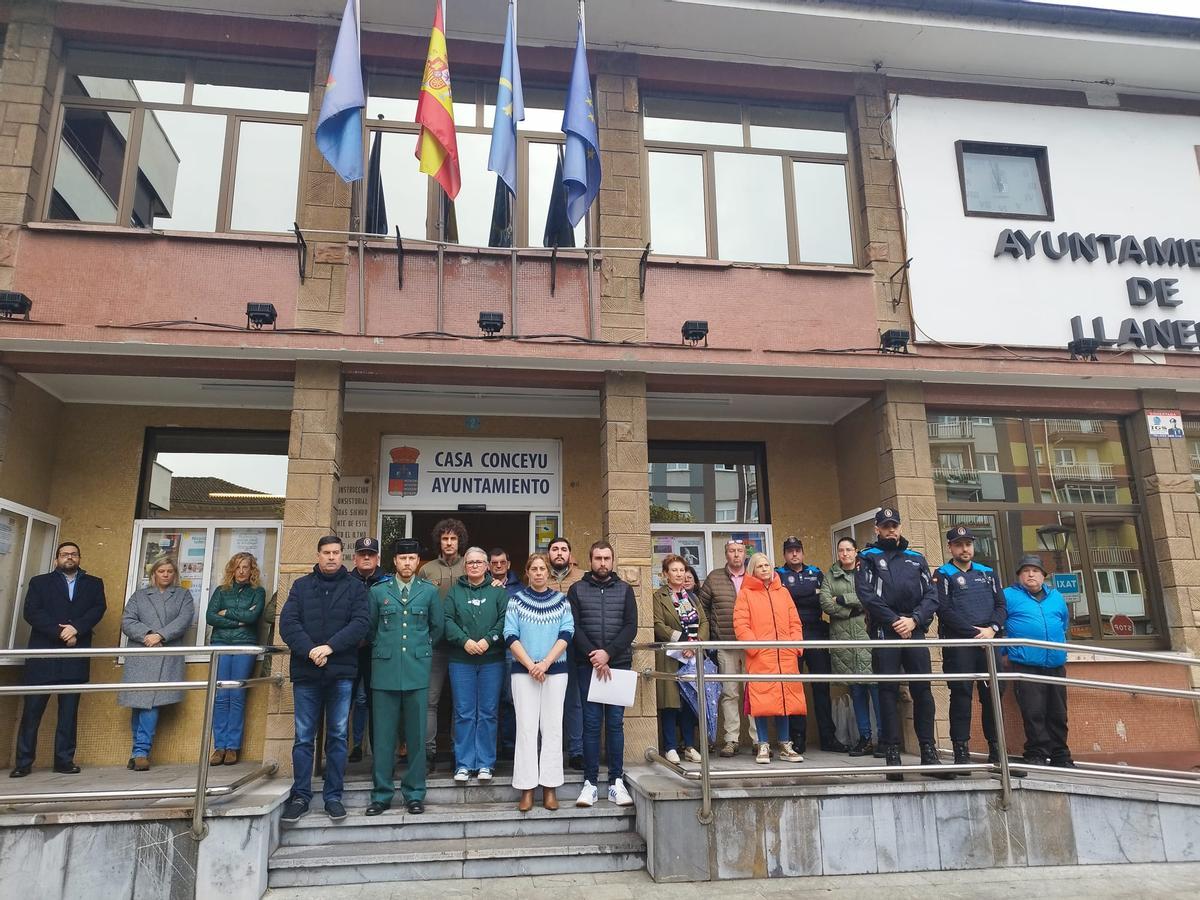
(510, 109)
(339, 128)
(581, 170)
(437, 148)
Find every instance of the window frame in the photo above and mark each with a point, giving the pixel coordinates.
(1039, 154)
(8, 641)
(707, 154)
(756, 450)
(137, 109)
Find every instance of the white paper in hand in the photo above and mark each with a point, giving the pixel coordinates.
(620, 690)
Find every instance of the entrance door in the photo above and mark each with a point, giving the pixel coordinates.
(509, 530)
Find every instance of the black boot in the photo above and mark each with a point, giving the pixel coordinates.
(993, 753)
(892, 755)
(929, 757)
(962, 755)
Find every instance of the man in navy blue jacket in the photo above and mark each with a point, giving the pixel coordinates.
(894, 587)
(323, 620)
(970, 605)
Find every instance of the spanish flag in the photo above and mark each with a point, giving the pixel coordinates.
(438, 147)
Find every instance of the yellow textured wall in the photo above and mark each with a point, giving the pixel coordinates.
(93, 488)
(32, 445)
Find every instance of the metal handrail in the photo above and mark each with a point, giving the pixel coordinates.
(201, 792)
(993, 676)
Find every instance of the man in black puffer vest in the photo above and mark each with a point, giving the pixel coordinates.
(324, 618)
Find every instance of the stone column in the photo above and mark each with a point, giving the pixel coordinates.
(906, 483)
(326, 202)
(314, 467)
(625, 499)
(622, 314)
(27, 78)
(1169, 498)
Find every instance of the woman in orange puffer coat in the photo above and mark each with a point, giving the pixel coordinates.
(764, 612)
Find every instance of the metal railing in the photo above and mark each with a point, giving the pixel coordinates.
(1004, 767)
(201, 792)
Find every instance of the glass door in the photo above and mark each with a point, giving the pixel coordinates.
(27, 540)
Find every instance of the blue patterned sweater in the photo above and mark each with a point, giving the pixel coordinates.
(537, 619)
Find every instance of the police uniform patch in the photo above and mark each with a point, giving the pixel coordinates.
(962, 582)
(791, 579)
(961, 531)
(888, 512)
(883, 564)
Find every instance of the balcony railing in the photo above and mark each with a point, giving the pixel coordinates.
(1082, 471)
(949, 431)
(1076, 426)
(954, 475)
(1114, 556)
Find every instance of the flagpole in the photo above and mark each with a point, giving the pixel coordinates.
(512, 195)
(441, 232)
(362, 199)
(589, 253)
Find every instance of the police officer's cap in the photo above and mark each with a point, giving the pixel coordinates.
(406, 546)
(887, 514)
(1031, 559)
(791, 542)
(959, 533)
(366, 545)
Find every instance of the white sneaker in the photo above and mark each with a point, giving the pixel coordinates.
(461, 776)
(618, 795)
(691, 754)
(587, 795)
(485, 775)
(672, 756)
(764, 754)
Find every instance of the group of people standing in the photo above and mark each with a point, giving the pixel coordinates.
(462, 620)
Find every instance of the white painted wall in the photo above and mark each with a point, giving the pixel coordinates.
(1110, 171)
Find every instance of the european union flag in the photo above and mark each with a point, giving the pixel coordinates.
(339, 127)
(581, 169)
(510, 109)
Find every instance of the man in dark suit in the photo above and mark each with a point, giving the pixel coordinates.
(62, 608)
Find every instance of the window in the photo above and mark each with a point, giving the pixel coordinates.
(178, 144)
(1004, 180)
(765, 184)
(411, 199)
(716, 483)
(989, 462)
(726, 511)
(27, 541)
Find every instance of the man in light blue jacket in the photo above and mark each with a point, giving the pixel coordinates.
(1039, 612)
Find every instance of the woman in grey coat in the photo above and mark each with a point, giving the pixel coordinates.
(158, 615)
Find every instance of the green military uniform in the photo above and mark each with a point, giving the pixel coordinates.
(406, 622)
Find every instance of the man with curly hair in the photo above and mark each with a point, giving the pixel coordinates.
(450, 537)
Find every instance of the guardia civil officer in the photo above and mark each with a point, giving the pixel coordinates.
(804, 582)
(970, 605)
(894, 586)
(406, 624)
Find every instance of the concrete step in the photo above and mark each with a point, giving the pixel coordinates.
(459, 820)
(484, 857)
(441, 790)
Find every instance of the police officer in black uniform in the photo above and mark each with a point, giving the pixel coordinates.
(970, 605)
(370, 573)
(804, 584)
(894, 586)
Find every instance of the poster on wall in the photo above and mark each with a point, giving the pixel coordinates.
(1165, 423)
(352, 512)
(445, 472)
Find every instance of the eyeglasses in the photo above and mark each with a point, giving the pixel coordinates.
(476, 562)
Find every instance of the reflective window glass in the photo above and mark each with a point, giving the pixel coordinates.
(974, 462)
(1052, 536)
(473, 205)
(822, 213)
(792, 128)
(1119, 567)
(751, 223)
(674, 120)
(268, 171)
(257, 86)
(677, 204)
(404, 186)
(543, 110)
(543, 163)
(179, 170)
(1191, 431)
(986, 529)
(90, 166)
(1086, 460)
(705, 492)
(135, 77)
(392, 96)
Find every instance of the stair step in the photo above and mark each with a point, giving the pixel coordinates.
(478, 858)
(456, 821)
(442, 790)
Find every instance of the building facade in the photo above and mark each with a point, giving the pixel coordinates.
(995, 183)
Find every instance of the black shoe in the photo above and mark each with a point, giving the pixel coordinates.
(929, 757)
(1036, 759)
(892, 755)
(1065, 763)
(20, 771)
(376, 808)
(335, 810)
(416, 807)
(962, 754)
(68, 769)
(880, 752)
(356, 754)
(864, 747)
(834, 746)
(575, 763)
(994, 753)
(294, 810)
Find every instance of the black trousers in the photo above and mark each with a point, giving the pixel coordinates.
(64, 733)
(913, 659)
(1044, 711)
(818, 662)
(364, 678)
(968, 660)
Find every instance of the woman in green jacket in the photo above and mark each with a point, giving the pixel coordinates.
(677, 617)
(233, 612)
(474, 634)
(847, 622)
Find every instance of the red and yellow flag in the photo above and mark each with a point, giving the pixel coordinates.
(437, 148)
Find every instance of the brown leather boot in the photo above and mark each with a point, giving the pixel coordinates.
(141, 764)
(231, 757)
(217, 758)
(549, 799)
(526, 803)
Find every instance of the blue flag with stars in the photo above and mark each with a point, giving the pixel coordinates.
(581, 167)
(339, 126)
(510, 109)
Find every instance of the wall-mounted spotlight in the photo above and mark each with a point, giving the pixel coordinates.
(260, 314)
(694, 331)
(491, 323)
(14, 303)
(1084, 348)
(894, 340)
